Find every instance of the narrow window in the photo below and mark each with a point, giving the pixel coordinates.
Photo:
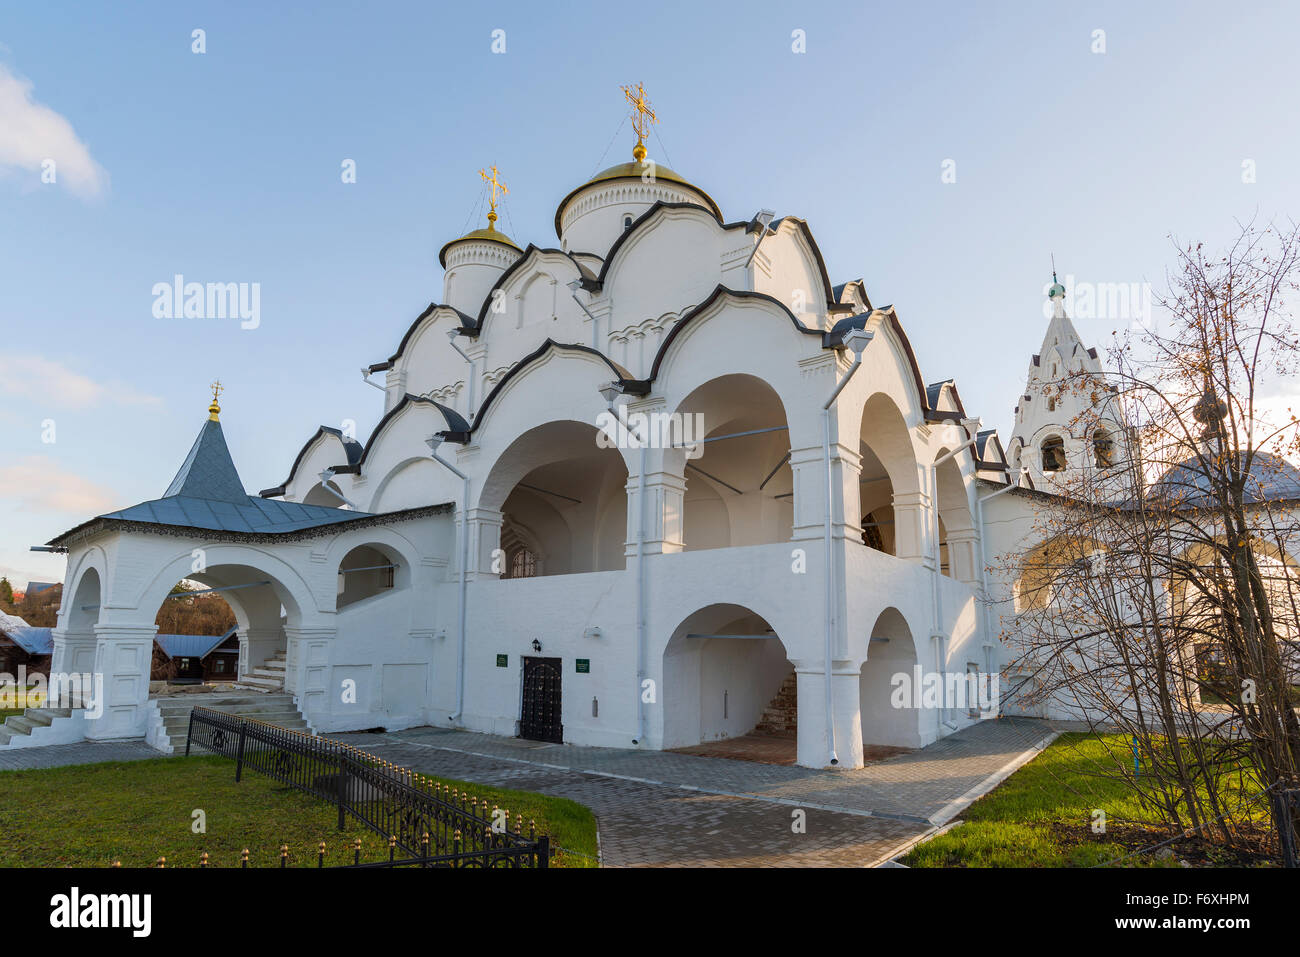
(523, 564)
(627, 222)
(1053, 453)
(1103, 450)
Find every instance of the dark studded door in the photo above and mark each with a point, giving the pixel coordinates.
(539, 716)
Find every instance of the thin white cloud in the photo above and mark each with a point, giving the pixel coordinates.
(32, 134)
(37, 481)
(51, 383)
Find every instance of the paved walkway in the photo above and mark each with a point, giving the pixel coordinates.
(83, 752)
(664, 808)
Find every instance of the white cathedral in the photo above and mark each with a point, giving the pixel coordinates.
(784, 501)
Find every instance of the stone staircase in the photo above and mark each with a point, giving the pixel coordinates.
(17, 729)
(169, 727)
(781, 716)
(268, 677)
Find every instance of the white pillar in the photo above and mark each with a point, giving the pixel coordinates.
(912, 527)
(256, 645)
(813, 743)
(123, 657)
(74, 652)
(308, 663)
(484, 541)
(663, 514)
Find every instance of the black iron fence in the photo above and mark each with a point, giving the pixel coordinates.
(427, 824)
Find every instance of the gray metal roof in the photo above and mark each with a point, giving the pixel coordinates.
(208, 494)
(1271, 479)
(190, 646)
(34, 641)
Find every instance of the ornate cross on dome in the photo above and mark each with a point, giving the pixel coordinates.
(496, 185)
(214, 409)
(642, 117)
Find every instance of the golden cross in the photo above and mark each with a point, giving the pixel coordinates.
(642, 117)
(215, 409)
(496, 185)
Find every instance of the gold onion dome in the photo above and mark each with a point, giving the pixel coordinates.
(637, 170)
(642, 117)
(490, 234)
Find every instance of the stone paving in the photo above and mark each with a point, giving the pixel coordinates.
(83, 752)
(664, 808)
(653, 825)
(668, 809)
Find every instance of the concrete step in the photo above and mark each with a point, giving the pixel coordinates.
(283, 719)
(19, 724)
(174, 713)
(260, 684)
(235, 705)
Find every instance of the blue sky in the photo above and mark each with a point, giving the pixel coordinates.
(225, 166)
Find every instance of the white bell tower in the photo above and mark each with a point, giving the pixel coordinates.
(1064, 423)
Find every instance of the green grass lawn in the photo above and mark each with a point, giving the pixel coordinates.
(1041, 816)
(138, 811)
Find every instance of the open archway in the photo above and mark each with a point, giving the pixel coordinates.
(725, 675)
(892, 653)
(952, 502)
(563, 502)
(887, 472)
(739, 485)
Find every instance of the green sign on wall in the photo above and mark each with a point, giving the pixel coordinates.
(584, 666)
(502, 661)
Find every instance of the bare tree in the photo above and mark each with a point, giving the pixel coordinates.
(1162, 599)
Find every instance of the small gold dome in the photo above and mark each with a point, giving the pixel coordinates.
(488, 234)
(635, 170)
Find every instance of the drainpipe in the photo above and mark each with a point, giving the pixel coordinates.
(325, 478)
(473, 380)
(1013, 482)
(855, 339)
(611, 391)
(941, 651)
(433, 442)
(640, 598)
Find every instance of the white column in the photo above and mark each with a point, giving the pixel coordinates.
(74, 652)
(307, 667)
(809, 473)
(963, 556)
(484, 540)
(912, 527)
(123, 656)
(813, 743)
(256, 645)
(665, 493)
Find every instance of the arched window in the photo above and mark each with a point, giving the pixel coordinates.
(522, 564)
(1103, 449)
(627, 221)
(871, 536)
(1053, 453)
